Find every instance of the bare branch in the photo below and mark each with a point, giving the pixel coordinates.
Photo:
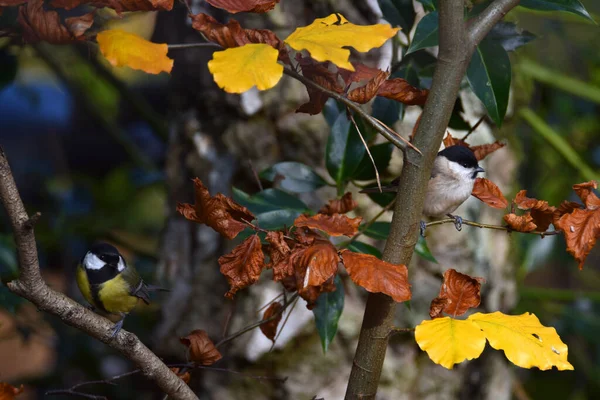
(488, 226)
(480, 26)
(31, 286)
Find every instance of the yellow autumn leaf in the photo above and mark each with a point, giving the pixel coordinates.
(525, 341)
(449, 341)
(122, 48)
(326, 38)
(237, 69)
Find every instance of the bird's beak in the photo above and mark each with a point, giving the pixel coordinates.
(479, 169)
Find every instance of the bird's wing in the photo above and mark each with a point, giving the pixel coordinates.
(137, 287)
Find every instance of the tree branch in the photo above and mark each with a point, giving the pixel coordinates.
(488, 226)
(31, 286)
(455, 51)
(479, 26)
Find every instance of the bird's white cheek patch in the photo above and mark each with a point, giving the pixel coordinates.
(121, 266)
(91, 261)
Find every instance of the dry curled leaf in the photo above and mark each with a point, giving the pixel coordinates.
(487, 191)
(334, 225)
(542, 214)
(201, 349)
(269, 329)
(339, 206)
(315, 264)
(365, 93)
(461, 290)
(41, 25)
(219, 212)
(520, 223)
(480, 151)
(400, 90)
(581, 227)
(319, 73)
(437, 307)
(242, 267)
(377, 276)
(9, 392)
(185, 376)
(280, 254)
(566, 207)
(236, 6)
(312, 293)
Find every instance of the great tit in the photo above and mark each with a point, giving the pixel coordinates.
(109, 285)
(452, 178)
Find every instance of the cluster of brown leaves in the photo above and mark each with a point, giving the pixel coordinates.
(480, 151)
(301, 258)
(201, 349)
(458, 293)
(236, 6)
(9, 392)
(272, 315)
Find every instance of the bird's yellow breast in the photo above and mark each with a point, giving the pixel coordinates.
(84, 285)
(115, 296)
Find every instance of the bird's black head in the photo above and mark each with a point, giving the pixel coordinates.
(464, 157)
(106, 252)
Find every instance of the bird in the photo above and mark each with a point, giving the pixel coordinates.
(452, 178)
(109, 284)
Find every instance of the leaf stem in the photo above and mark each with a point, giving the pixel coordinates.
(488, 226)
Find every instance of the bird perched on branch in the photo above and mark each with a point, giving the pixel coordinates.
(109, 284)
(452, 178)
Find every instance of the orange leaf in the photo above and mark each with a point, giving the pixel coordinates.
(242, 267)
(9, 392)
(437, 307)
(377, 276)
(366, 92)
(202, 349)
(581, 227)
(541, 213)
(480, 151)
(520, 223)
(319, 73)
(41, 25)
(122, 48)
(400, 90)
(461, 290)
(306, 236)
(270, 328)
(219, 212)
(312, 293)
(566, 207)
(315, 264)
(236, 6)
(279, 252)
(334, 225)
(184, 376)
(339, 206)
(487, 191)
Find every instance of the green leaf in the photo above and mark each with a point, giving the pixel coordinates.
(297, 177)
(8, 300)
(361, 247)
(429, 5)
(509, 36)
(327, 313)
(456, 119)
(331, 111)
(382, 154)
(386, 110)
(277, 219)
(426, 34)
(377, 230)
(423, 251)
(489, 76)
(572, 6)
(383, 199)
(344, 151)
(269, 200)
(398, 13)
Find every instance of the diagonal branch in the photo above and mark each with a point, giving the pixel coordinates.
(479, 26)
(31, 286)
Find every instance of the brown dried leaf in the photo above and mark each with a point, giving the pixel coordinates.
(236, 6)
(339, 206)
(9, 392)
(437, 307)
(201, 349)
(312, 293)
(242, 267)
(365, 93)
(319, 73)
(219, 212)
(184, 376)
(41, 25)
(334, 225)
(462, 290)
(400, 90)
(480, 151)
(377, 276)
(520, 223)
(306, 236)
(280, 254)
(315, 264)
(542, 214)
(581, 227)
(566, 207)
(269, 329)
(487, 191)
(10, 3)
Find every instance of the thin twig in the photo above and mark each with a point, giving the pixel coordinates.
(488, 226)
(284, 323)
(258, 182)
(192, 45)
(368, 224)
(184, 2)
(209, 368)
(271, 302)
(474, 127)
(368, 151)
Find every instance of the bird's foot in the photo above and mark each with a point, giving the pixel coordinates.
(91, 308)
(458, 221)
(423, 225)
(117, 327)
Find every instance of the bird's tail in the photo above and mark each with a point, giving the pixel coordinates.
(384, 189)
(154, 288)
